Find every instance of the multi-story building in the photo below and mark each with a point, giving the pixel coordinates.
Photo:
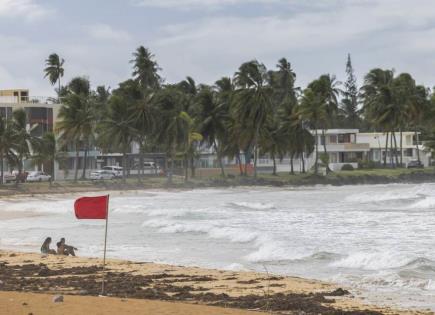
(41, 113)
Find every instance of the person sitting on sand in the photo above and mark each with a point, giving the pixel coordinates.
(63, 249)
(45, 248)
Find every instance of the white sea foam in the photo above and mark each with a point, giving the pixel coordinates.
(253, 205)
(372, 261)
(377, 238)
(426, 203)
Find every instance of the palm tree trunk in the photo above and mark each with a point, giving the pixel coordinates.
(386, 150)
(2, 167)
(219, 159)
(85, 162)
(239, 161)
(274, 164)
(401, 147)
(391, 150)
(58, 91)
(192, 166)
(292, 171)
(186, 168)
(303, 162)
(395, 149)
(256, 152)
(141, 162)
(124, 165)
(328, 170)
(316, 158)
(76, 163)
(416, 143)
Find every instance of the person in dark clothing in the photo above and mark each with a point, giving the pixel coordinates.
(63, 249)
(45, 248)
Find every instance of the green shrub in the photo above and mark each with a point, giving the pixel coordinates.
(347, 167)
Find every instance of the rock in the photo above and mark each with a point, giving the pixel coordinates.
(58, 299)
(83, 292)
(24, 304)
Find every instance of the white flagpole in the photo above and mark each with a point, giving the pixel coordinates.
(105, 244)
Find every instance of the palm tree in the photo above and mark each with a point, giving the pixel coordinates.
(54, 70)
(312, 110)
(23, 140)
(145, 68)
(8, 138)
(379, 104)
(212, 115)
(172, 128)
(77, 120)
(252, 101)
(327, 92)
(117, 128)
(44, 151)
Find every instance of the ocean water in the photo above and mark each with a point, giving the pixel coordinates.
(379, 239)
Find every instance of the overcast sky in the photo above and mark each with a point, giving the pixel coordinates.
(208, 39)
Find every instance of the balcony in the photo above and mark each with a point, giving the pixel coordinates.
(347, 147)
(47, 100)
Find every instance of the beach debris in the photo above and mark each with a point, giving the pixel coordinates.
(58, 299)
(338, 292)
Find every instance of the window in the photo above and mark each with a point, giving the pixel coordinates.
(408, 152)
(333, 139)
(344, 138)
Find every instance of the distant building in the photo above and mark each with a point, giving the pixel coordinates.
(41, 114)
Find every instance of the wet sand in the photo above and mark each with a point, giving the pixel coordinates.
(163, 289)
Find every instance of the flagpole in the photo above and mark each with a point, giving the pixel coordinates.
(105, 246)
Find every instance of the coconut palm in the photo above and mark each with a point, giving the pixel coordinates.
(252, 102)
(379, 104)
(327, 92)
(8, 139)
(54, 70)
(312, 111)
(211, 115)
(44, 151)
(172, 127)
(77, 121)
(145, 68)
(117, 128)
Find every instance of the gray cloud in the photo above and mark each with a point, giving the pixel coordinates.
(315, 36)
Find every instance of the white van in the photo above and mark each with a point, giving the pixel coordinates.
(116, 170)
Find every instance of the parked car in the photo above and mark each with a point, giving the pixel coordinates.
(116, 170)
(9, 178)
(415, 164)
(101, 175)
(38, 176)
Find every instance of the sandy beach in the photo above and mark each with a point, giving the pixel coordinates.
(148, 288)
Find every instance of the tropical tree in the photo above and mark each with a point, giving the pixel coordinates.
(44, 151)
(145, 69)
(172, 127)
(8, 139)
(54, 70)
(313, 112)
(252, 103)
(77, 120)
(211, 114)
(379, 106)
(118, 129)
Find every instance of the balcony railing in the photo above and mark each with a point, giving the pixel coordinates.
(28, 100)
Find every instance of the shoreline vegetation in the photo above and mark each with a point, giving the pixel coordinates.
(190, 290)
(356, 177)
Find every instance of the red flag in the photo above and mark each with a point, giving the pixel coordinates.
(91, 207)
